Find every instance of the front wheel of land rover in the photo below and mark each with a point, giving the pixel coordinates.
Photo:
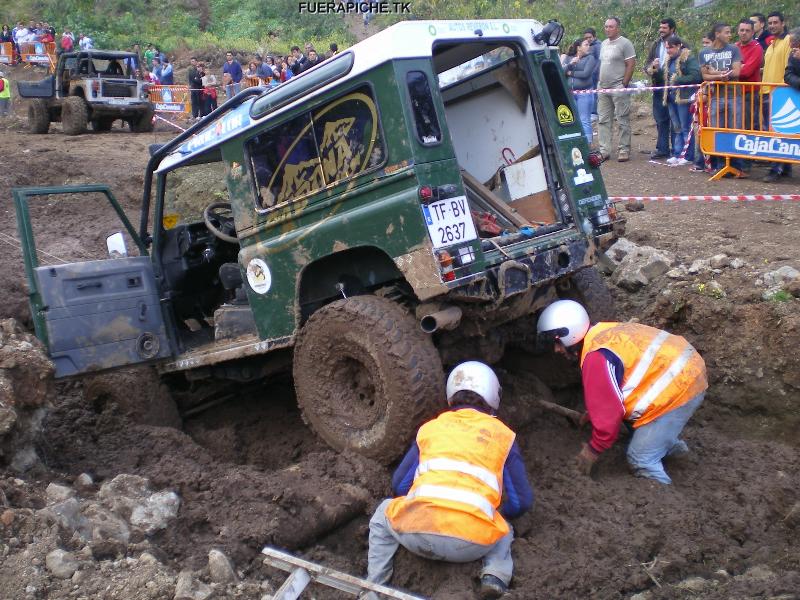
(367, 376)
(590, 289)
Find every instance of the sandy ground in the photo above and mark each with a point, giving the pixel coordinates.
(249, 472)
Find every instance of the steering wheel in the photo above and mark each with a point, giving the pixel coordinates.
(219, 223)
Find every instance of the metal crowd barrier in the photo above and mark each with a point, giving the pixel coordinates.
(754, 121)
(38, 53)
(7, 53)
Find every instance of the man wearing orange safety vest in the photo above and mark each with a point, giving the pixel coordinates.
(631, 372)
(450, 485)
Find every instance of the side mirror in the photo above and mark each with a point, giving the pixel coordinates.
(116, 246)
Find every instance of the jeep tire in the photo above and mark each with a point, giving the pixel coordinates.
(367, 376)
(142, 123)
(590, 289)
(74, 115)
(38, 116)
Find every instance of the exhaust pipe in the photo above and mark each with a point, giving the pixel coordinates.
(448, 318)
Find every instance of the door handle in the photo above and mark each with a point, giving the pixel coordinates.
(142, 311)
(89, 284)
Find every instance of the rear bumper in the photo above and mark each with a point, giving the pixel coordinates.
(519, 275)
(103, 108)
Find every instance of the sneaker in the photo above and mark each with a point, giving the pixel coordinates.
(623, 156)
(672, 160)
(696, 169)
(657, 155)
(681, 162)
(492, 587)
(771, 177)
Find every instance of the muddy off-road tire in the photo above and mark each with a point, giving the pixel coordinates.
(590, 289)
(143, 123)
(136, 392)
(74, 115)
(103, 124)
(367, 376)
(38, 116)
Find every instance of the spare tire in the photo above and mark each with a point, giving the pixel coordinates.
(144, 122)
(38, 116)
(74, 115)
(367, 376)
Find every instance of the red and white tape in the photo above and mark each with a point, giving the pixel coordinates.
(751, 198)
(634, 90)
(175, 125)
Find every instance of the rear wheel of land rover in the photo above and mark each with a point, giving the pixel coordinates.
(366, 376)
(38, 116)
(74, 116)
(590, 289)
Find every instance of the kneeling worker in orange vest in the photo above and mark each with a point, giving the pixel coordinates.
(450, 485)
(632, 372)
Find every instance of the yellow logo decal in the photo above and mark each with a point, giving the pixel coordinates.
(169, 220)
(564, 114)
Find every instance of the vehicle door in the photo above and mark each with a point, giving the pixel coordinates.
(93, 314)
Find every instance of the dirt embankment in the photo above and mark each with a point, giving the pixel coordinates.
(249, 473)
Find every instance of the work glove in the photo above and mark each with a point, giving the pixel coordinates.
(585, 459)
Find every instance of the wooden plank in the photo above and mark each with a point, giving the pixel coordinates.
(493, 201)
(330, 577)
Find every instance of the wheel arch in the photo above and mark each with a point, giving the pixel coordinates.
(357, 270)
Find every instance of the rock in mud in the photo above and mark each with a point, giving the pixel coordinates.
(156, 512)
(220, 567)
(640, 267)
(61, 564)
(189, 587)
(620, 249)
(58, 493)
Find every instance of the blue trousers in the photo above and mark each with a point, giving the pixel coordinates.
(659, 438)
(681, 130)
(662, 119)
(585, 104)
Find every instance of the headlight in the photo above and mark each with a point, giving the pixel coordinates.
(550, 34)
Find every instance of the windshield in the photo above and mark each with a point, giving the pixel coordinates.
(475, 65)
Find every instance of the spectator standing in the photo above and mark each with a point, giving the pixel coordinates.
(591, 34)
(752, 61)
(580, 71)
(167, 77)
(654, 67)
(149, 55)
(85, 42)
(156, 72)
(313, 59)
(209, 82)
(333, 49)
(572, 52)
(776, 58)
(234, 71)
(299, 60)
(680, 68)
(67, 42)
(760, 33)
(286, 70)
(792, 75)
(722, 62)
(6, 37)
(134, 62)
(617, 61)
(5, 94)
(702, 117)
(195, 81)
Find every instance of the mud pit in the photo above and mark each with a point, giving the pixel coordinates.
(249, 473)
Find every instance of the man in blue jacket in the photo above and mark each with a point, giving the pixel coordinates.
(234, 71)
(456, 486)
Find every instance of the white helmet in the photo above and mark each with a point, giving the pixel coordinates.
(475, 377)
(566, 320)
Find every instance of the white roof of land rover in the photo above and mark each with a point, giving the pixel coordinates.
(408, 39)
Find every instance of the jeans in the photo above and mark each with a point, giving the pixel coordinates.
(661, 115)
(726, 111)
(384, 541)
(5, 106)
(609, 107)
(681, 130)
(231, 90)
(659, 438)
(585, 104)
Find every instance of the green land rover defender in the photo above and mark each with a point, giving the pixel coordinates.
(404, 205)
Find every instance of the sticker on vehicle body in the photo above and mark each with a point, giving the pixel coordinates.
(577, 157)
(259, 276)
(565, 116)
(582, 177)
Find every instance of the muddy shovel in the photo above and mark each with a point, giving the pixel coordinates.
(573, 416)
